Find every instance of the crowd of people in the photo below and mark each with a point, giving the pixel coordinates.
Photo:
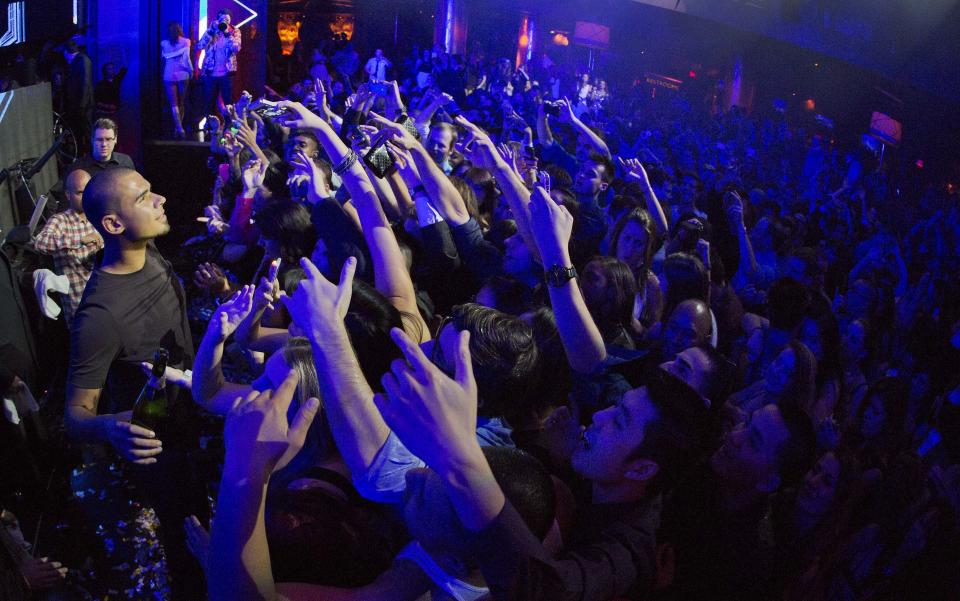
(480, 332)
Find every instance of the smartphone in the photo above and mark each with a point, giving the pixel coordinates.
(378, 88)
(552, 109)
(268, 109)
(379, 161)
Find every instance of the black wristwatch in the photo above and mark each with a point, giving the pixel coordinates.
(558, 276)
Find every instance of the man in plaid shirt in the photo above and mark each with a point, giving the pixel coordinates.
(72, 241)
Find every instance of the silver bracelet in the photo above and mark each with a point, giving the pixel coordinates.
(346, 163)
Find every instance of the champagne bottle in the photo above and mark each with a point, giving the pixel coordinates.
(150, 410)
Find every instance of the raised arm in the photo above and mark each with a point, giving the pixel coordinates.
(425, 116)
(552, 228)
(258, 439)
(443, 195)
(390, 272)
(210, 390)
(747, 269)
(544, 135)
(319, 307)
(514, 191)
(636, 173)
(567, 116)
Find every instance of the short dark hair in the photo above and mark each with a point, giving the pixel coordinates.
(512, 296)
(608, 168)
(289, 224)
(100, 197)
(787, 303)
(368, 322)
(675, 438)
(225, 11)
(718, 376)
(687, 277)
(105, 123)
(505, 358)
(526, 484)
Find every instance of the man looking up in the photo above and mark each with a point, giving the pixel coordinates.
(132, 306)
(102, 154)
(72, 241)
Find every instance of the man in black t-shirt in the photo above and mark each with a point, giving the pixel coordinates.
(132, 305)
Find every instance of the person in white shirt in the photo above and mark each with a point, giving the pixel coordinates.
(177, 72)
(377, 66)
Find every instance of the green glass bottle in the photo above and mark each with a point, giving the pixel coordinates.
(150, 410)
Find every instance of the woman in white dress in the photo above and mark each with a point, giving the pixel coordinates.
(177, 72)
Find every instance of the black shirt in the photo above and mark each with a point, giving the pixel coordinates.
(93, 166)
(121, 321)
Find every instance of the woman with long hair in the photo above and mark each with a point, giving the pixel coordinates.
(634, 242)
(177, 72)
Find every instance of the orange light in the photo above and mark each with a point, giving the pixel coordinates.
(561, 40)
(810, 104)
(524, 40)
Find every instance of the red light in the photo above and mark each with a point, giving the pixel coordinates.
(692, 74)
(919, 163)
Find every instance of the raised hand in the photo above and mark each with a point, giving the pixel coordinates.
(246, 134)
(507, 154)
(228, 315)
(257, 433)
(211, 278)
(566, 111)
(634, 171)
(733, 204)
(254, 173)
(231, 145)
(306, 169)
(268, 291)
(433, 414)
(405, 166)
(484, 151)
(552, 226)
(318, 304)
(398, 133)
(301, 117)
(544, 180)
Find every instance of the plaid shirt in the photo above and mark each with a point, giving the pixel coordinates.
(61, 238)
